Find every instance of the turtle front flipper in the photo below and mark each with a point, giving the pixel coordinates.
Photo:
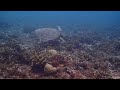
(59, 28)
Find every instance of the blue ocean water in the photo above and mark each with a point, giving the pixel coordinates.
(94, 18)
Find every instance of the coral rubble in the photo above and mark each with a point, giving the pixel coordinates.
(83, 55)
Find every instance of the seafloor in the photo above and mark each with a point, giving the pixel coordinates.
(85, 54)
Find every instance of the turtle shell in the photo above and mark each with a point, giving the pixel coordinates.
(47, 34)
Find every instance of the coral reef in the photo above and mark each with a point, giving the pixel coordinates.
(83, 55)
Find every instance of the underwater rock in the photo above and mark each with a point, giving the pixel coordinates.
(101, 74)
(49, 69)
(111, 47)
(15, 71)
(76, 74)
(115, 75)
(57, 59)
(52, 52)
(115, 61)
(52, 43)
(63, 75)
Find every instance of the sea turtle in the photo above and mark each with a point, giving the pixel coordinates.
(47, 34)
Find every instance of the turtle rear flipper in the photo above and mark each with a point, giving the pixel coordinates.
(62, 40)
